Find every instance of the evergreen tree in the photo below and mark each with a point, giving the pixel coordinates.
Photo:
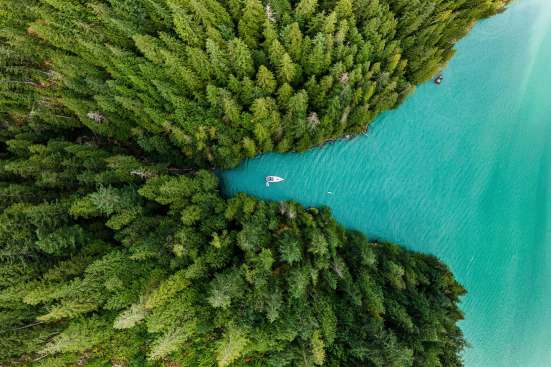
(151, 67)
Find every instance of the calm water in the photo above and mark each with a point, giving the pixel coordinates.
(461, 171)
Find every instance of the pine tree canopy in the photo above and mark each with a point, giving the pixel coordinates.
(226, 79)
(110, 260)
(117, 247)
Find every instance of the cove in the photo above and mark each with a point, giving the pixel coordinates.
(461, 171)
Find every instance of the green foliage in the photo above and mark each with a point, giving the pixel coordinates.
(200, 280)
(199, 72)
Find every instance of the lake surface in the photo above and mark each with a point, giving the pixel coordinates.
(461, 171)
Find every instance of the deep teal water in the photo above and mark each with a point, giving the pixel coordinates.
(461, 171)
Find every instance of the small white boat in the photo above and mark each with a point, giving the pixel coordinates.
(273, 179)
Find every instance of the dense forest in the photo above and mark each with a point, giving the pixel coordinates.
(116, 245)
(224, 80)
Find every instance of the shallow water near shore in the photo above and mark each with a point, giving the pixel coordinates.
(461, 171)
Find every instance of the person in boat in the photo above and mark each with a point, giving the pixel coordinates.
(439, 79)
(273, 179)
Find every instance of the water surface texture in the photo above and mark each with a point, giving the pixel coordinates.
(461, 171)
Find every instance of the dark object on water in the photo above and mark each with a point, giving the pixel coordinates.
(439, 79)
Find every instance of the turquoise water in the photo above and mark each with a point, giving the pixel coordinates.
(461, 171)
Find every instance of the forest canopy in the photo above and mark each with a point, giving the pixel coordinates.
(117, 247)
(115, 269)
(227, 79)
